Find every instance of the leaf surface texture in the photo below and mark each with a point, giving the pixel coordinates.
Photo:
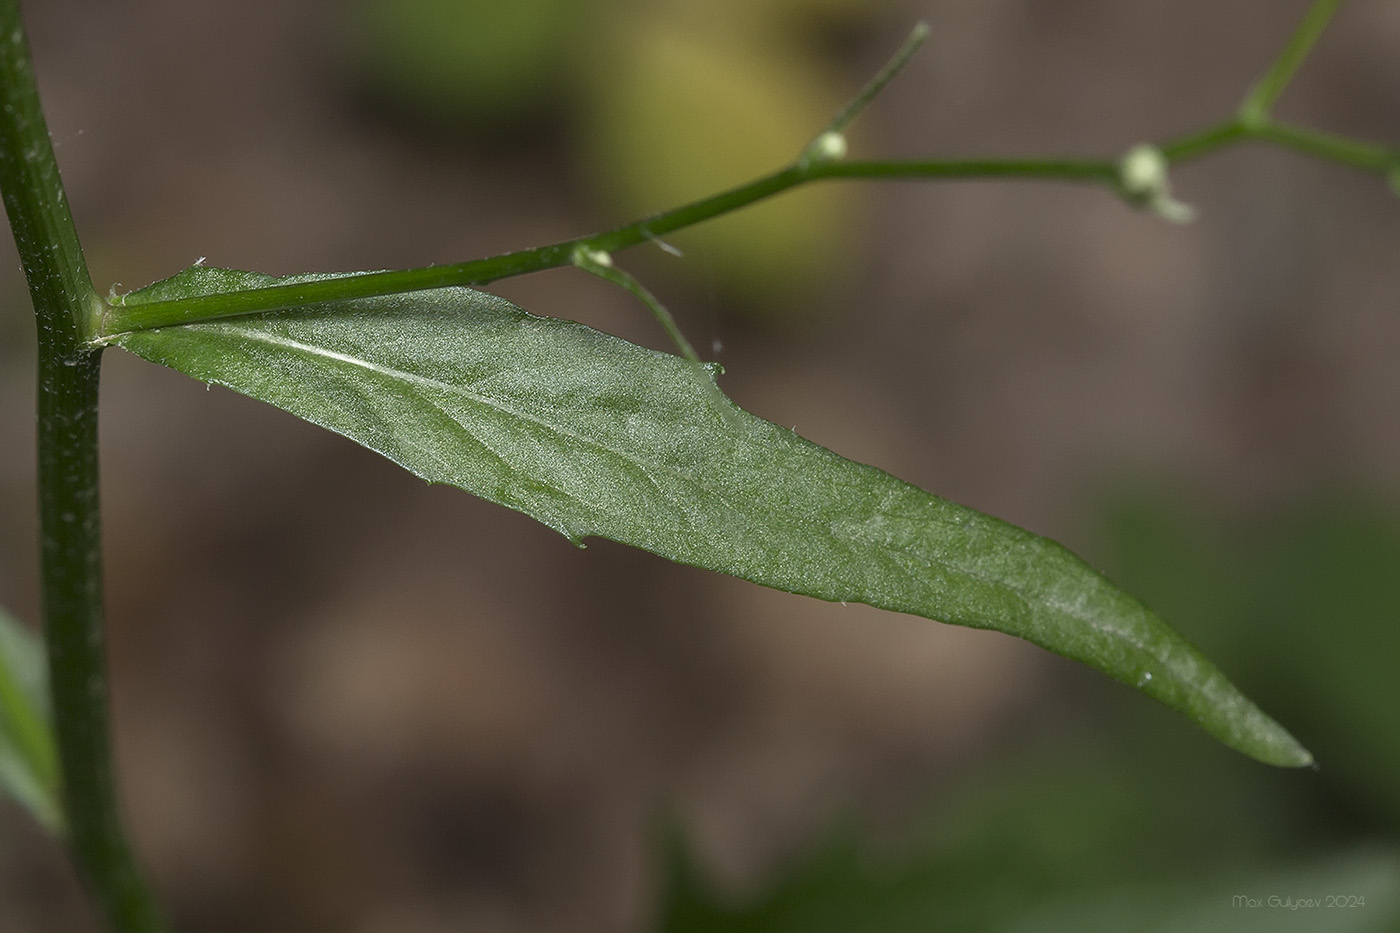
(593, 435)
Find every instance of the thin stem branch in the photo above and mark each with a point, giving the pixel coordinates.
(67, 310)
(600, 264)
(1333, 148)
(1344, 150)
(875, 85)
(1266, 91)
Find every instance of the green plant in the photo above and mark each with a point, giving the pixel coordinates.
(588, 434)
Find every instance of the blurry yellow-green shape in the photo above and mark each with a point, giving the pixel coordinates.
(684, 106)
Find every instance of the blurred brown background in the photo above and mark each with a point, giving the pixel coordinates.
(347, 701)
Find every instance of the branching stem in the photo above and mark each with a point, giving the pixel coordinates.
(139, 316)
(1252, 124)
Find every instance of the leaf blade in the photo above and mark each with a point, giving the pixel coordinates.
(592, 435)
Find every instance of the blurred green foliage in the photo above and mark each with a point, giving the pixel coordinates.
(1134, 823)
(28, 757)
(485, 64)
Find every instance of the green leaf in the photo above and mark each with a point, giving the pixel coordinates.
(592, 435)
(28, 755)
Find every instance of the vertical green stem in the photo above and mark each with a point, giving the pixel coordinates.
(72, 598)
(67, 311)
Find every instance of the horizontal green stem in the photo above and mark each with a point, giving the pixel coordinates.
(1071, 170)
(1203, 142)
(122, 317)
